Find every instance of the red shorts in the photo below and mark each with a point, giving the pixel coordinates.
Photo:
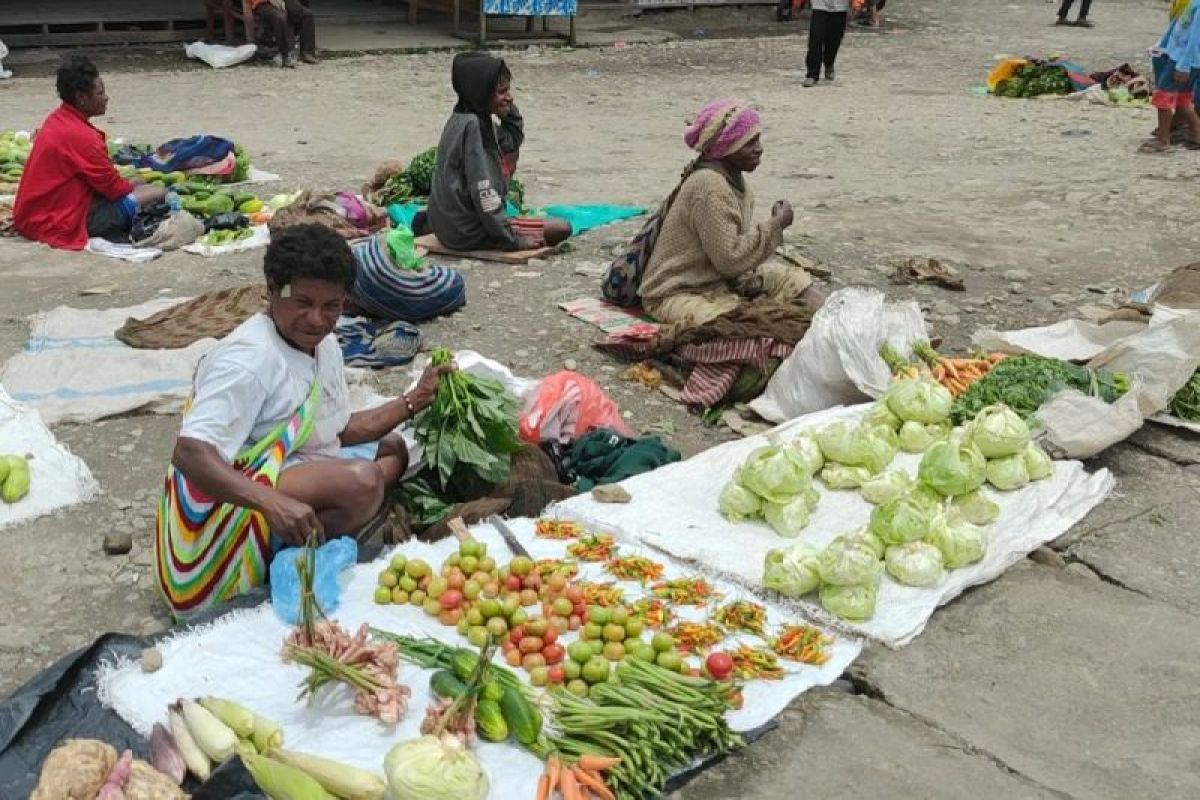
(1169, 100)
(532, 228)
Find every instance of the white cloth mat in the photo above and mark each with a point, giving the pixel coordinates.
(674, 509)
(261, 237)
(57, 478)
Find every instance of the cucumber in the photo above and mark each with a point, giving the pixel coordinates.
(443, 683)
(523, 719)
(489, 721)
(492, 690)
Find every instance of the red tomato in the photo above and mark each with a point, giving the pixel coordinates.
(512, 583)
(451, 598)
(553, 653)
(719, 665)
(556, 675)
(550, 635)
(516, 634)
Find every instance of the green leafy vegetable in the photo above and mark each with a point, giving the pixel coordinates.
(855, 603)
(919, 400)
(792, 571)
(975, 507)
(788, 519)
(1186, 402)
(862, 538)
(997, 431)
(846, 564)
(1024, 383)
(738, 503)
(1007, 473)
(809, 453)
(774, 473)
(915, 564)
(961, 542)
(952, 467)
(880, 414)
(420, 172)
(839, 476)
(916, 437)
(1037, 463)
(905, 518)
(886, 486)
(422, 501)
(470, 430)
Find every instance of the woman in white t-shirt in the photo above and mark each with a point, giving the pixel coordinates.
(260, 453)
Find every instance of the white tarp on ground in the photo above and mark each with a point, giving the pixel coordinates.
(674, 509)
(73, 369)
(57, 478)
(238, 657)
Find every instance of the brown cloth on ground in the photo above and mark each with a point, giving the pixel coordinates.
(756, 319)
(211, 315)
(323, 208)
(531, 486)
(1179, 288)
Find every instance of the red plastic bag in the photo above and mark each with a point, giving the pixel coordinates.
(565, 406)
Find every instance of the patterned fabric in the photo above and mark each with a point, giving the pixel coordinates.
(530, 8)
(531, 228)
(387, 292)
(209, 552)
(212, 314)
(374, 346)
(719, 363)
(722, 128)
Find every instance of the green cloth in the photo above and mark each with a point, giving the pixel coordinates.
(583, 217)
(603, 456)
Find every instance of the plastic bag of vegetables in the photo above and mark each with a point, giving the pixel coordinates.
(961, 542)
(886, 486)
(434, 768)
(846, 564)
(915, 564)
(906, 518)
(775, 473)
(1007, 473)
(919, 400)
(788, 519)
(855, 603)
(953, 467)
(791, 571)
(975, 508)
(998, 432)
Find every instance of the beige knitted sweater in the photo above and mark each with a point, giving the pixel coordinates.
(708, 238)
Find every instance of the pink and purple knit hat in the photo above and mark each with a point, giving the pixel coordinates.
(722, 128)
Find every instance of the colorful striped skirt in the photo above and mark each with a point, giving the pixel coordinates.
(208, 552)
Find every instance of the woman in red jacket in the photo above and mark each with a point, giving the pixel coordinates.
(70, 190)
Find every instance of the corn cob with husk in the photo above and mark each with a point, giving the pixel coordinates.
(283, 782)
(341, 780)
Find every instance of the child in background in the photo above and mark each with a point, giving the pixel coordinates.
(1176, 70)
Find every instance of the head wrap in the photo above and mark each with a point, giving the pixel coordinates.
(1177, 8)
(474, 76)
(722, 128)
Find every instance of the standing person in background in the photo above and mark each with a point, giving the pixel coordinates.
(1081, 21)
(279, 16)
(826, 28)
(1176, 61)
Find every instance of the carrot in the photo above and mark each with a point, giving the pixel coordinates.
(951, 370)
(596, 763)
(592, 781)
(568, 785)
(543, 787)
(938, 372)
(553, 770)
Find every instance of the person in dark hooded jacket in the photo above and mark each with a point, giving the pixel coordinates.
(475, 161)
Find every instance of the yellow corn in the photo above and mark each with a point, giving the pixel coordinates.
(213, 736)
(267, 734)
(282, 782)
(341, 780)
(239, 718)
(193, 756)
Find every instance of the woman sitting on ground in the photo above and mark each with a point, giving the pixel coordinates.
(475, 162)
(70, 190)
(269, 452)
(710, 255)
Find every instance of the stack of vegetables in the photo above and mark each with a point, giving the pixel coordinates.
(1033, 80)
(414, 183)
(15, 147)
(775, 484)
(1024, 383)
(956, 374)
(919, 528)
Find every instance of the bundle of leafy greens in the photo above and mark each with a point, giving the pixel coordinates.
(470, 430)
(422, 501)
(1024, 383)
(1033, 80)
(1186, 402)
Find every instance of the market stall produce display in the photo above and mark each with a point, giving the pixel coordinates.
(14, 478)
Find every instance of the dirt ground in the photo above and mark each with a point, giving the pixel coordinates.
(1042, 205)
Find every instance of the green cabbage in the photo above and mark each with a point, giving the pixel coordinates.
(433, 768)
(862, 538)
(838, 443)
(855, 603)
(952, 467)
(809, 452)
(845, 564)
(776, 474)
(916, 437)
(997, 431)
(1037, 463)
(738, 503)
(961, 542)
(919, 400)
(791, 572)
(886, 486)
(877, 447)
(811, 497)
(879, 414)
(915, 564)
(905, 518)
(1007, 473)
(975, 508)
(787, 519)
(839, 476)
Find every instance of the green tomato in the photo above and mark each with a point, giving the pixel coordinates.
(669, 659)
(595, 670)
(663, 642)
(383, 595)
(578, 688)
(598, 615)
(398, 562)
(572, 669)
(579, 651)
(477, 635)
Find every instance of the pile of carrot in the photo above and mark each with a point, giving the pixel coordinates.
(956, 374)
(580, 781)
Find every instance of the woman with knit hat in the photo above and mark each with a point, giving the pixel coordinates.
(710, 255)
